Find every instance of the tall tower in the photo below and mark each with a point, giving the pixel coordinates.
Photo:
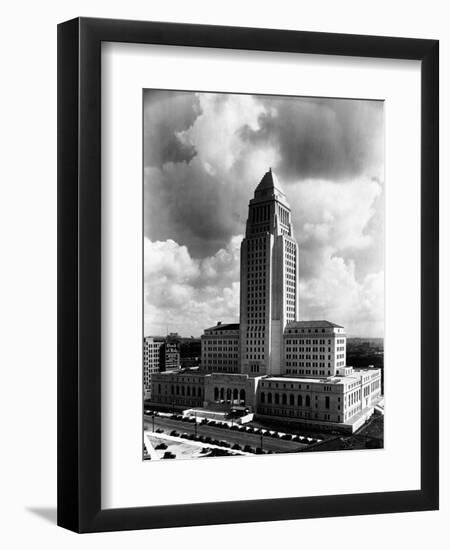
(269, 275)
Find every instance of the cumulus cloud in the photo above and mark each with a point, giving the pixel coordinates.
(325, 138)
(203, 203)
(205, 153)
(186, 294)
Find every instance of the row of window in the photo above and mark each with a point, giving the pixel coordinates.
(258, 243)
(189, 391)
(313, 349)
(306, 330)
(306, 372)
(308, 341)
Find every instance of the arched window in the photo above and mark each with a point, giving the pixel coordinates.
(284, 399)
(182, 390)
(228, 394)
(308, 401)
(291, 400)
(269, 398)
(277, 399)
(235, 394)
(300, 401)
(242, 395)
(222, 393)
(178, 390)
(263, 397)
(189, 391)
(216, 394)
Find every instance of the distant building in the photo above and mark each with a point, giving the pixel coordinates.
(170, 355)
(272, 363)
(151, 360)
(159, 355)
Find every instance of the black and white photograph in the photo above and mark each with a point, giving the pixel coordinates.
(263, 274)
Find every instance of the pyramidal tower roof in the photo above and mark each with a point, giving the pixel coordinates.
(270, 188)
(269, 182)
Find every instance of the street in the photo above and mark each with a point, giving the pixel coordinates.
(223, 434)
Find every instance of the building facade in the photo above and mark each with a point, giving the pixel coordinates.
(220, 348)
(151, 360)
(270, 362)
(313, 348)
(269, 275)
(159, 355)
(342, 399)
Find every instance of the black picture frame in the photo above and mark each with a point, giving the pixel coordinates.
(79, 274)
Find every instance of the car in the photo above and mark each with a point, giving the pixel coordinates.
(168, 454)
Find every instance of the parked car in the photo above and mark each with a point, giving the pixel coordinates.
(168, 454)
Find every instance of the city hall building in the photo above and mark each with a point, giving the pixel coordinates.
(271, 363)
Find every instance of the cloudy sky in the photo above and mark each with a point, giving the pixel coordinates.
(205, 153)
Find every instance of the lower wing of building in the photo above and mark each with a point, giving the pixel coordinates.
(315, 386)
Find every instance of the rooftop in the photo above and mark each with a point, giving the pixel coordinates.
(270, 181)
(332, 380)
(312, 324)
(229, 326)
(269, 188)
